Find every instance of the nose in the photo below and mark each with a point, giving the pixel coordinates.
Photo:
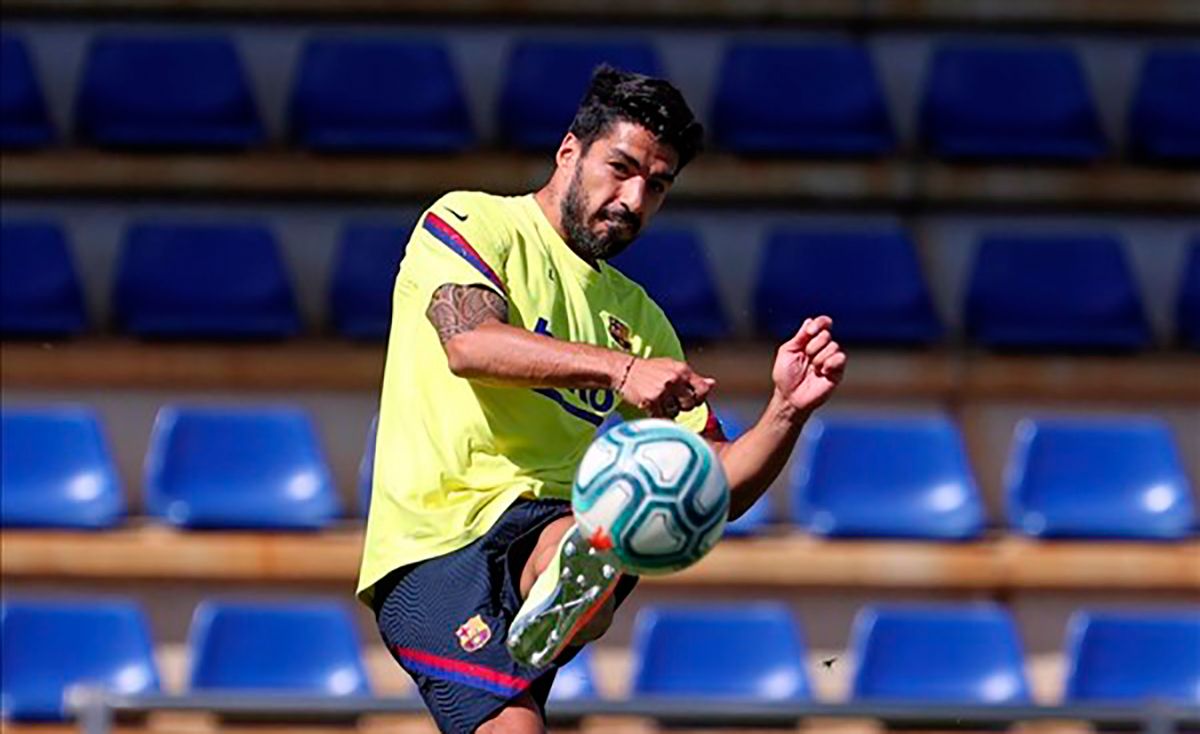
(633, 196)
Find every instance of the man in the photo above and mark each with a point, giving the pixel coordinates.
(511, 340)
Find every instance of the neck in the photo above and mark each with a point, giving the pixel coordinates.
(549, 198)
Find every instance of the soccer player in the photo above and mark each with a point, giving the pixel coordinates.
(511, 340)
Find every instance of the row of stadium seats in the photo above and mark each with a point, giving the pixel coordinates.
(855, 476)
(933, 653)
(813, 99)
(1066, 291)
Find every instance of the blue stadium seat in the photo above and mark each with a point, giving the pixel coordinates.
(1098, 478)
(1054, 291)
(176, 92)
(23, 119)
(892, 477)
(238, 468)
(968, 654)
(575, 680)
(305, 647)
(57, 470)
(819, 100)
(1163, 125)
(48, 646)
(360, 292)
(1132, 655)
(1010, 102)
(745, 651)
(204, 281)
(671, 265)
(366, 467)
(869, 282)
(1187, 304)
(547, 79)
(39, 289)
(374, 94)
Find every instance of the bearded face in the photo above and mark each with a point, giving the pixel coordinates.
(616, 185)
(597, 233)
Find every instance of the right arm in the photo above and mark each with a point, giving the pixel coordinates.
(472, 324)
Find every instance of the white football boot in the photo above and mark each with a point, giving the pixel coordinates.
(572, 589)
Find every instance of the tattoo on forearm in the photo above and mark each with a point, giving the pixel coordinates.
(455, 309)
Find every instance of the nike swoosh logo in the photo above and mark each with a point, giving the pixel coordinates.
(460, 217)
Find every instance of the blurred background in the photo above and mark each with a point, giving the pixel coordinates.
(203, 205)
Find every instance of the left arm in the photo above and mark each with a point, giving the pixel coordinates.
(808, 367)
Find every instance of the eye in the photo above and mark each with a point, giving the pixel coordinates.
(658, 186)
(621, 169)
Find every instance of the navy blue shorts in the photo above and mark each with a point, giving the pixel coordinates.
(445, 621)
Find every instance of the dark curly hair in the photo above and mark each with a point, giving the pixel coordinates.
(655, 104)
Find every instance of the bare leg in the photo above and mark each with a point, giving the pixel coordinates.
(522, 715)
(547, 546)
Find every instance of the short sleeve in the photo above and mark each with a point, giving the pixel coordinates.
(454, 242)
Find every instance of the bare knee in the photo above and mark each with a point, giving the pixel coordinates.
(520, 716)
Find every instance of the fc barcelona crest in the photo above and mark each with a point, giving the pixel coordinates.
(619, 331)
(474, 634)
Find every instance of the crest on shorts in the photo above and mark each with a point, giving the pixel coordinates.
(619, 331)
(473, 634)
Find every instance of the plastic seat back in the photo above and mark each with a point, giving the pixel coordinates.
(1134, 656)
(746, 651)
(57, 470)
(300, 647)
(47, 647)
(967, 654)
(882, 476)
(23, 119)
(813, 99)
(204, 281)
(170, 91)
(1163, 124)
(242, 467)
(1072, 292)
(40, 293)
(1009, 102)
(1098, 478)
(378, 94)
(869, 282)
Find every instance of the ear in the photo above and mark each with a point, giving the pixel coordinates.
(569, 151)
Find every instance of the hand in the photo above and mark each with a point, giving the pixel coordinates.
(664, 387)
(809, 366)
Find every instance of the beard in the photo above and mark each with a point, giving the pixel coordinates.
(585, 240)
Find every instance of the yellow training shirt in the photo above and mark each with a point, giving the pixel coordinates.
(452, 455)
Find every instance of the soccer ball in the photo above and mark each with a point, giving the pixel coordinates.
(654, 493)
